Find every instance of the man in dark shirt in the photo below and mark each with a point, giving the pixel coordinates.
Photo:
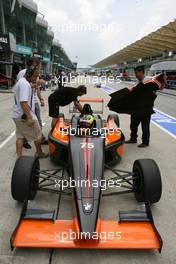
(145, 94)
(62, 97)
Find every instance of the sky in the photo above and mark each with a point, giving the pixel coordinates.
(90, 30)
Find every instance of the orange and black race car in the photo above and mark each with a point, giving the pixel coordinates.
(84, 147)
(59, 137)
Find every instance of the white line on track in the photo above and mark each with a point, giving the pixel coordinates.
(162, 128)
(7, 139)
(164, 113)
(165, 130)
(11, 136)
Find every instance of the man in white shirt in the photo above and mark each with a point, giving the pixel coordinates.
(34, 63)
(27, 125)
(21, 74)
(31, 63)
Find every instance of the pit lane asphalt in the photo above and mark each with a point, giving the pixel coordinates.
(162, 149)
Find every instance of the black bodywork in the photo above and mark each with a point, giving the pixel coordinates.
(87, 167)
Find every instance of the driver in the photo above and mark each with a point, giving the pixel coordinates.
(86, 121)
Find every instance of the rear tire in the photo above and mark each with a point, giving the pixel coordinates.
(25, 178)
(116, 119)
(148, 186)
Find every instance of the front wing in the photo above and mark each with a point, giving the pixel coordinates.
(124, 234)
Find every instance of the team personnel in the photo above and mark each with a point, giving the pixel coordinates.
(27, 125)
(60, 79)
(39, 101)
(34, 63)
(31, 63)
(62, 97)
(145, 92)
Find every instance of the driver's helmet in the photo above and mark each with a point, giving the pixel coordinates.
(86, 121)
(87, 110)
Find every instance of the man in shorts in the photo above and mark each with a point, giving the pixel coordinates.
(62, 97)
(35, 63)
(27, 125)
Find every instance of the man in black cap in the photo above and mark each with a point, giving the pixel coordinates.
(62, 97)
(145, 95)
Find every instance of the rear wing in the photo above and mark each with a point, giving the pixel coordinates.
(93, 101)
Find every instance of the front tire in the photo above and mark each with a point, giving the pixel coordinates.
(148, 185)
(25, 178)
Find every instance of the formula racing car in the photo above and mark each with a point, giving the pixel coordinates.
(84, 147)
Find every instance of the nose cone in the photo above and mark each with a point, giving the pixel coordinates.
(87, 217)
(87, 172)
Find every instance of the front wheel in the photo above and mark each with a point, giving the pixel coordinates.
(147, 181)
(25, 178)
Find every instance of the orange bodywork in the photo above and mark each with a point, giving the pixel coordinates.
(113, 135)
(65, 234)
(58, 132)
(91, 100)
(120, 150)
(52, 147)
(60, 135)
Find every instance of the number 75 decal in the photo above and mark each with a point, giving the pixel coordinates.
(87, 145)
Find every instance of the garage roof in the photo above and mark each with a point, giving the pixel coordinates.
(29, 4)
(56, 43)
(164, 66)
(162, 40)
(42, 22)
(50, 33)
